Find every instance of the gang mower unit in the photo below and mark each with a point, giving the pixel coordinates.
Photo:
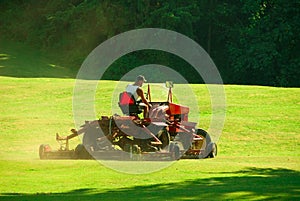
(165, 135)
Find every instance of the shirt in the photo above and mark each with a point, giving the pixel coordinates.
(132, 89)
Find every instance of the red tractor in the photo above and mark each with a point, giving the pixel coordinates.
(165, 135)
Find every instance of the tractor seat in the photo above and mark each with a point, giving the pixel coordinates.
(129, 105)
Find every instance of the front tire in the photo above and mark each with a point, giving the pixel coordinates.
(209, 147)
(214, 151)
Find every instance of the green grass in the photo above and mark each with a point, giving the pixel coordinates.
(258, 150)
(19, 60)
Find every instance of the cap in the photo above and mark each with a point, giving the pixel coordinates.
(141, 77)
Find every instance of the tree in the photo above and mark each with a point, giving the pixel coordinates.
(267, 49)
(250, 41)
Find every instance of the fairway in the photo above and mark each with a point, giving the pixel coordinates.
(258, 151)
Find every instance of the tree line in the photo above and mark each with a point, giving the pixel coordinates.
(250, 41)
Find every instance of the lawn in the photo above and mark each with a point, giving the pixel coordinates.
(258, 155)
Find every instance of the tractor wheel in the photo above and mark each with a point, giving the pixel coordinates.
(127, 148)
(81, 152)
(164, 137)
(136, 150)
(42, 151)
(214, 151)
(175, 150)
(209, 146)
(133, 152)
(90, 137)
(202, 132)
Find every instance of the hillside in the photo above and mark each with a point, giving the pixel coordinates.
(20, 60)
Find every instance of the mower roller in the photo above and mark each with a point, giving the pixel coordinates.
(165, 135)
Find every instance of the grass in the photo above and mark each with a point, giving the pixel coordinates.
(191, 180)
(258, 150)
(19, 60)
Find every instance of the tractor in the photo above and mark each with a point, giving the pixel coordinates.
(165, 135)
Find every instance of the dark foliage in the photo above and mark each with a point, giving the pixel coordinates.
(251, 42)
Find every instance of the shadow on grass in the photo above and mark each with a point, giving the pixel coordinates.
(252, 183)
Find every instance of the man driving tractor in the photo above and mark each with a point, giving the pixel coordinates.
(136, 90)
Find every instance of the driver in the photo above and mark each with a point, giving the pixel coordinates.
(136, 90)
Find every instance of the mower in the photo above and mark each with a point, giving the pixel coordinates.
(165, 135)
